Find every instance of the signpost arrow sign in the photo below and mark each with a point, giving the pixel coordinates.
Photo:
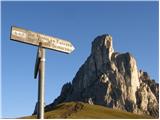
(33, 38)
(42, 41)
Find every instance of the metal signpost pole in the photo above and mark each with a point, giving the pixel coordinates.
(40, 112)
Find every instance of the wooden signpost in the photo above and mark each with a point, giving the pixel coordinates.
(42, 41)
(33, 38)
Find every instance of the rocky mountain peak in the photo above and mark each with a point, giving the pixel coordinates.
(112, 79)
(103, 45)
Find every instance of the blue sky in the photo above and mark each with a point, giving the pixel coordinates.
(133, 26)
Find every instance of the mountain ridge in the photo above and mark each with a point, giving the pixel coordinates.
(112, 79)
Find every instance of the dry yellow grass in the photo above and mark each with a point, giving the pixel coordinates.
(83, 111)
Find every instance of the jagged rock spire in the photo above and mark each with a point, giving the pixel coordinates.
(103, 45)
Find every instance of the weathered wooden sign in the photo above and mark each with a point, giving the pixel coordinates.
(33, 38)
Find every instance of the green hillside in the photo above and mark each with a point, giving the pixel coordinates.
(82, 110)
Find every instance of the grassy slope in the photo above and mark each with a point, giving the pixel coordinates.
(82, 110)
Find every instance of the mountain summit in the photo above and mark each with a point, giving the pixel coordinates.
(111, 79)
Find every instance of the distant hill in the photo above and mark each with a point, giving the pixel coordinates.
(80, 110)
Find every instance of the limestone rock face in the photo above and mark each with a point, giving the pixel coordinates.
(112, 79)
